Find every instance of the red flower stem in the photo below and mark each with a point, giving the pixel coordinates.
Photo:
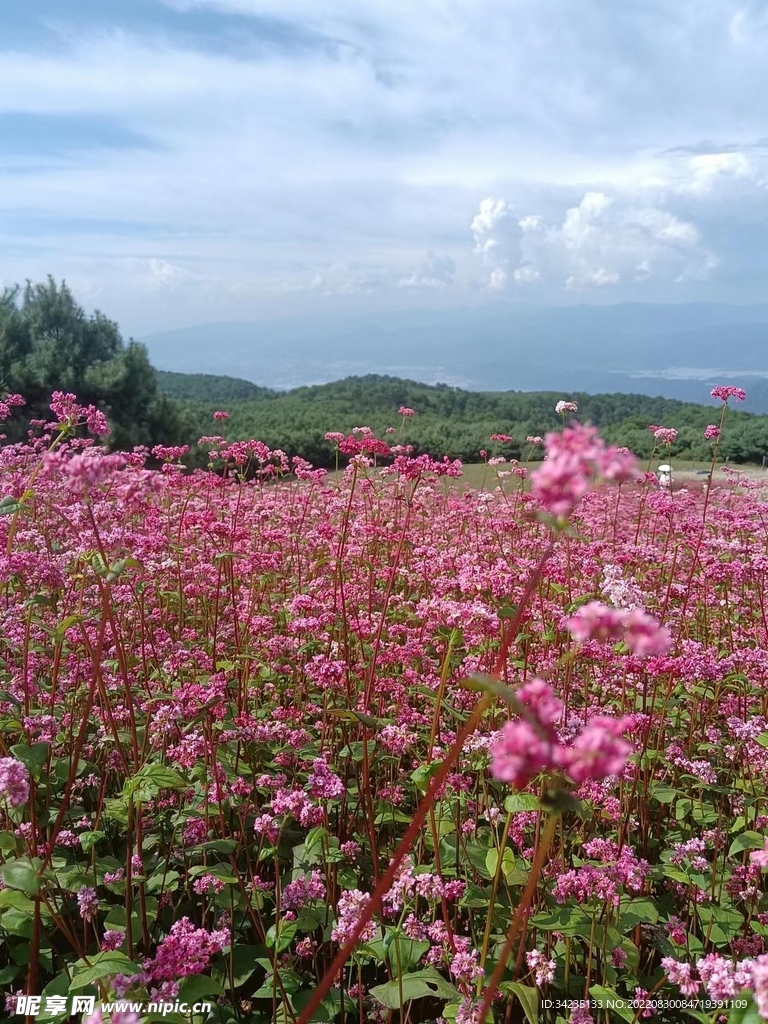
(385, 882)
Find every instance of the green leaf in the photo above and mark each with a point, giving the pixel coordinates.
(507, 863)
(116, 809)
(10, 505)
(226, 846)
(58, 987)
(171, 1018)
(17, 900)
(391, 816)
(164, 881)
(721, 924)
(244, 963)
(517, 802)
(477, 855)
(101, 965)
(664, 794)
(529, 999)
(421, 776)
(7, 974)
(401, 952)
(568, 920)
(34, 756)
(150, 779)
(608, 999)
(642, 910)
(746, 841)
(676, 874)
(197, 986)
(747, 1013)
(217, 870)
(8, 842)
(22, 873)
(281, 939)
(350, 715)
(89, 839)
(419, 985)
(486, 684)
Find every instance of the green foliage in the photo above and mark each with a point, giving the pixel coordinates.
(48, 343)
(460, 423)
(207, 387)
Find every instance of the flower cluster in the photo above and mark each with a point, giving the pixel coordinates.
(526, 747)
(643, 634)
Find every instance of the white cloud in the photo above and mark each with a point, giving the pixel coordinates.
(435, 272)
(339, 279)
(164, 273)
(491, 228)
(362, 132)
(606, 239)
(486, 220)
(526, 274)
(498, 280)
(709, 169)
(596, 279)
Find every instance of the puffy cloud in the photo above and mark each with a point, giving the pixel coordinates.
(606, 240)
(265, 138)
(709, 169)
(163, 273)
(435, 272)
(491, 227)
(498, 280)
(340, 279)
(486, 220)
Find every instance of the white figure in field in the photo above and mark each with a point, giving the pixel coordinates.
(665, 477)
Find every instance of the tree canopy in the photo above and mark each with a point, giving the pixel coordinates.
(48, 343)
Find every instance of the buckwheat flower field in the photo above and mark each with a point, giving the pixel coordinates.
(378, 747)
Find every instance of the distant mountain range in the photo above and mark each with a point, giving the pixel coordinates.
(674, 351)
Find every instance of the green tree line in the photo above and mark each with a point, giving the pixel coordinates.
(451, 421)
(48, 343)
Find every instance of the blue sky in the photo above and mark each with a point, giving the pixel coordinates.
(189, 160)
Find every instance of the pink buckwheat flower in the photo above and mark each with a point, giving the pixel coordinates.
(519, 753)
(220, 415)
(760, 983)
(599, 750)
(351, 905)
(14, 781)
(596, 621)
(760, 857)
(544, 970)
(680, 974)
(88, 903)
(726, 391)
(645, 635)
(112, 940)
(711, 432)
(186, 950)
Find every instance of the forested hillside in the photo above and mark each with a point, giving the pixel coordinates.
(49, 343)
(207, 387)
(460, 423)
